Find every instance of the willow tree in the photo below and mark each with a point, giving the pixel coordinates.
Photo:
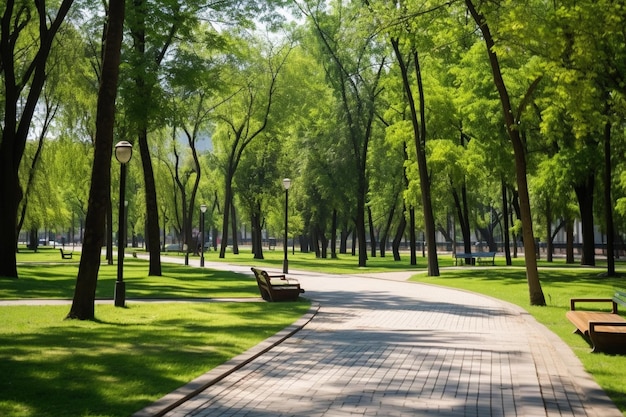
(27, 34)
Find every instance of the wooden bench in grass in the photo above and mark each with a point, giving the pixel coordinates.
(65, 255)
(277, 287)
(606, 331)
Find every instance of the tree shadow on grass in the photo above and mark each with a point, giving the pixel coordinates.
(78, 368)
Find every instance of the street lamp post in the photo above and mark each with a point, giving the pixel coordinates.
(286, 184)
(202, 211)
(123, 153)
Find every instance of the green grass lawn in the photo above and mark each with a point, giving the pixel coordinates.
(45, 275)
(129, 357)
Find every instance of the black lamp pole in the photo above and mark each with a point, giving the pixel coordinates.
(123, 153)
(286, 184)
(202, 211)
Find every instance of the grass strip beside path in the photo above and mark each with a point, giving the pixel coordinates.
(127, 358)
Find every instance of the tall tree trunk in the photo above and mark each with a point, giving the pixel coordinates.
(333, 236)
(233, 217)
(228, 197)
(257, 232)
(359, 223)
(397, 239)
(512, 127)
(152, 209)
(83, 304)
(138, 31)
(505, 217)
(321, 234)
(315, 242)
(384, 235)
(463, 216)
(370, 222)
(569, 241)
(584, 194)
(343, 240)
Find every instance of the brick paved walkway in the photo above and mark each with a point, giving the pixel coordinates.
(383, 347)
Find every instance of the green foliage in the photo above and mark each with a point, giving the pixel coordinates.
(563, 65)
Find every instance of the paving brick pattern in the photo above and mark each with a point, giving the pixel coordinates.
(383, 347)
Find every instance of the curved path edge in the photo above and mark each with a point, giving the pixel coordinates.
(191, 389)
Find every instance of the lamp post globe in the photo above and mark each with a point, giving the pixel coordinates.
(123, 151)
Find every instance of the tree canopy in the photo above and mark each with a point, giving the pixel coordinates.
(463, 121)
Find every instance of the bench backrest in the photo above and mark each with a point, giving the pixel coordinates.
(263, 282)
(620, 297)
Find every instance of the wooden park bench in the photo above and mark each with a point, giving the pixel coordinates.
(480, 258)
(65, 255)
(606, 331)
(277, 287)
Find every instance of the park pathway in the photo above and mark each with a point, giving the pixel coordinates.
(380, 346)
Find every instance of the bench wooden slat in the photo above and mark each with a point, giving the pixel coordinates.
(277, 287)
(606, 331)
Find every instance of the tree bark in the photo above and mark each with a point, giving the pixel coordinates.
(395, 246)
(333, 236)
(584, 194)
(152, 209)
(233, 218)
(569, 239)
(83, 304)
(370, 222)
(228, 200)
(505, 218)
(463, 217)
(384, 235)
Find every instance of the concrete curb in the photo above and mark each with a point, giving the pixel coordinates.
(187, 391)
